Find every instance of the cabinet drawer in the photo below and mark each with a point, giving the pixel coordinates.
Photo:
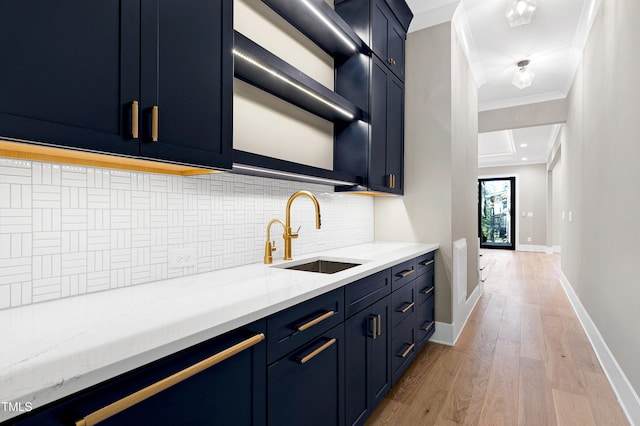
(403, 304)
(425, 324)
(403, 273)
(403, 349)
(424, 288)
(367, 291)
(425, 263)
(295, 326)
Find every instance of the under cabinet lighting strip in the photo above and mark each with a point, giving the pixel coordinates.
(331, 26)
(291, 83)
(278, 174)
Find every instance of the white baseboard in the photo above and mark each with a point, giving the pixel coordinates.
(557, 249)
(445, 334)
(531, 247)
(627, 396)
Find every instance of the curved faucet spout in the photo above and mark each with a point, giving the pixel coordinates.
(288, 235)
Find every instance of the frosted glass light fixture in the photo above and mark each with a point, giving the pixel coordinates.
(520, 12)
(523, 76)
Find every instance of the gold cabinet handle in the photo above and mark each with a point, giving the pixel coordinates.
(427, 328)
(427, 263)
(151, 390)
(375, 327)
(317, 351)
(408, 351)
(379, 325)
(430, 290)
(405, 273)
(314, 321)
(406, 308)
(154, 123)
(392, 180)
(135, 108)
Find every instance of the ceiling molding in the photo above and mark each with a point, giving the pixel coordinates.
(461, 24)
(524, 100)
(428, 14)
(587, 17)
(484, 165)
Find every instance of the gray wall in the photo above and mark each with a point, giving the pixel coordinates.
(600, 155)
(531, 186)
(440, 158)
(538, 114)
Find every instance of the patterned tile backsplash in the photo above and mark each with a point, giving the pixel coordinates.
(69, 230)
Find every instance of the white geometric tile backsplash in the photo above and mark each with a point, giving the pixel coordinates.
(69, 230)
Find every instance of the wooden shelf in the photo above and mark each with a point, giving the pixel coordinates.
(321, 24)
(259, 67)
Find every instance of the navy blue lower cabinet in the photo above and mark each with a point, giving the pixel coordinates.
(230, 392)
(367, 360)
(306, 387)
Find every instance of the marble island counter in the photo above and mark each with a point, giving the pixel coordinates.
(53, 349)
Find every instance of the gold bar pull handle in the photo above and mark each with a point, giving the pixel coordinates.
(427, 263)
(154, 123)
(379, 325)
(314, 321)
(428, 327)
(151, 390)
(135, 126)
(428, 291)
(408, 351)
(406, 308)
(317, 351)
(405, 273)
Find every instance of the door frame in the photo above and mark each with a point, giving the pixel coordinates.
(515, 229)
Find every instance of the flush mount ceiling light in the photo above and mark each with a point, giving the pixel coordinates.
(520, 12)
(523, 76)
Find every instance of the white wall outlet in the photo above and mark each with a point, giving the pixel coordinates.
(570, 216)
(524, 214)
(530, 214)
(528, 239)
(182, 258)
(563, 215)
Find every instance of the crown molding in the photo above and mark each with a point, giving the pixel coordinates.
(430, 13)
(524, 100)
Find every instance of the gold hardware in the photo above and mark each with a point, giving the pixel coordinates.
(134, 119)
(314, 321)
(409, 306)
(379, 325)
(429, 326)
(406, 273)
(428, 291)
(427, 263)
(154, 123)
(375, 327)
(151, 390)
(269, 247)
(288, 235)
(392, 181)
(317, 351)
(408, 351)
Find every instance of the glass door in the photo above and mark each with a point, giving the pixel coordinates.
(496, 213)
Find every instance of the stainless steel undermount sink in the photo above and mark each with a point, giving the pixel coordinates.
(322, 266)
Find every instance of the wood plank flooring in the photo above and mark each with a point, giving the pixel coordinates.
(522, 359)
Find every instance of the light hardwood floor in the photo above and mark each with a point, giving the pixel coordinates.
(522, 359)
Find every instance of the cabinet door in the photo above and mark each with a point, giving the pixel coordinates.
(69, 72)
(378, 179)
(395, 135)
(187, 74)
(395, 39)
(380, 376)
(306, 387)
(231, 392)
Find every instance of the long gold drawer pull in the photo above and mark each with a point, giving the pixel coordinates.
(135, 107)
(427, 263)
(308, 357)
(428, 291)
(405, 273)
(314, 321)
(408, 351)
(154, 123)
(429, 326)
(151, 390)
(379, 325)
(409, 306)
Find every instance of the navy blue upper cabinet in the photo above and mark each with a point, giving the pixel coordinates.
(69, 72)
(111, 76)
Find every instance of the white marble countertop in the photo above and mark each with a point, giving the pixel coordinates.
(52, 349)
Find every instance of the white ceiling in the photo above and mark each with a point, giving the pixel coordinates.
(553, 42)
(530, 145)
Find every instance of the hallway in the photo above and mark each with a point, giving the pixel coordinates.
(522, 358)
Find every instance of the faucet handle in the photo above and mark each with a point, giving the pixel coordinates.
(295, 234)
(273, 245)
